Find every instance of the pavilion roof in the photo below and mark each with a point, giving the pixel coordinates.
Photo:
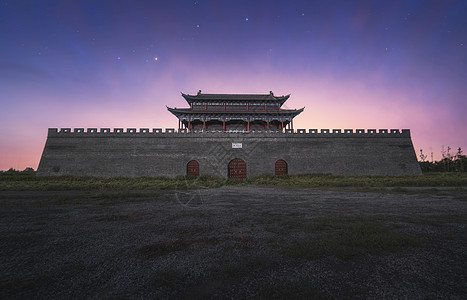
(236, 97)
(178, 111)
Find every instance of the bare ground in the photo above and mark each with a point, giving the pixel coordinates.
(234, 242)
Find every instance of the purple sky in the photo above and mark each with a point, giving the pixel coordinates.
(352, 64)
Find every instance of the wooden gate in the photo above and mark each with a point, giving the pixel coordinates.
(237, 168)
(192, 168)
(280, 167)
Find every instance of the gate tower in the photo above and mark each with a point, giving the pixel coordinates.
(235, 112)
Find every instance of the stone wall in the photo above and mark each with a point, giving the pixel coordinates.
(157, 152)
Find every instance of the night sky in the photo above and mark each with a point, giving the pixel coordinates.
(351, 64)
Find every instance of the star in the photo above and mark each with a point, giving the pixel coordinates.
(197, 25)
(246, 19)
(156, 59)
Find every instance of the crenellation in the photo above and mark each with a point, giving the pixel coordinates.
(142, 153)
(137, 131)
(258, 134)
(52, 131)
(81, 131)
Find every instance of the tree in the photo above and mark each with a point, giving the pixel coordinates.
(422, 156)
(448, 163)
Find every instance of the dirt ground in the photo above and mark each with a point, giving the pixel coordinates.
(234, 242)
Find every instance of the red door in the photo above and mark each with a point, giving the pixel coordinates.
(237, 168)
(280, 167)
(192, 168)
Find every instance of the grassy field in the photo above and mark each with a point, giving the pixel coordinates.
(29, 181)
(236, 241)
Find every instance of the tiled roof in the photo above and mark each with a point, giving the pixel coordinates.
(236, 97)
(294, 112)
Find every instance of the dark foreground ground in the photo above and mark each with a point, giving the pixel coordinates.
(234, 242)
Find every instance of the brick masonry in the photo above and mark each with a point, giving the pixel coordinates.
(155, 152)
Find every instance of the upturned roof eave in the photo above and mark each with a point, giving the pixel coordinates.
(235, 98)
(177, 111)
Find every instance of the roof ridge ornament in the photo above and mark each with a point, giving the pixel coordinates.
(199, 92)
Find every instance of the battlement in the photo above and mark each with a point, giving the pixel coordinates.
(80, 132)
(134, 152)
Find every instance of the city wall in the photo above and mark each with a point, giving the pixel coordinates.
(156, 152)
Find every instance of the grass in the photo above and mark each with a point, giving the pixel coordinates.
(18, 238)
(289, 289)
(166, 278)
(347, 238)
(30, 181)
(234, 245)
(234, 270)
(160, 249)
(329, 180)
(21, 288)
(118, 218)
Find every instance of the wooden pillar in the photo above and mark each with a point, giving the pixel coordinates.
(224, 124)
(267, 124)
(178, 124)
(282, 125)
(205, 107)
(189, 125)
(204, 124)
(248, 126)
(291, 122)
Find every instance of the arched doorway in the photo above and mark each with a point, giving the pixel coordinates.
(237, 168)
(280, 167)
(192, 168)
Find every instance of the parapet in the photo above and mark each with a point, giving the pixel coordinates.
(81, 132)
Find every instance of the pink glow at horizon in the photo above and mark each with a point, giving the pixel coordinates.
(332, 105)
(352, 66)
